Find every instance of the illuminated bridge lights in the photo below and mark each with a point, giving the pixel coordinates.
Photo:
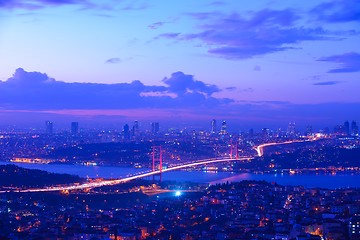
(101, 183)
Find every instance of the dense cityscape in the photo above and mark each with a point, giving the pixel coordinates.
(179, 120)
(74, 207)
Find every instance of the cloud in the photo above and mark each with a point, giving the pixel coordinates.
(35, 97)
(248, 90)
(217, 3)
(231, 88)
(37, 91)
(329, 83)
(37, 4)
(136, 5)
(182, 84)
(337, 11)
(263, 32)
(349, 62)
(257, 68)
(113, 60)
(156, 25)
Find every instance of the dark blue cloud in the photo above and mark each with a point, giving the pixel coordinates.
(134, 5)
(237, 37)
(156, 25)
(34, 96)
(349, 62)
(231, 88)
(337, 11)
(113, 60)
(37, 4)
(181, 84)
(37, 91)
(329, 83)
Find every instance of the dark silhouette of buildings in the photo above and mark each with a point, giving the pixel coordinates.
(135, 128)
(309, 130)
(155, 127)
(347, 128)
(126, 131)
(74, 128)
(291, 129)
(354, 128)
(49, 127)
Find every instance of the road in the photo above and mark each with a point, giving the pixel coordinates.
(260, 148)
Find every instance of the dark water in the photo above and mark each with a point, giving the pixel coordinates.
(307, 180)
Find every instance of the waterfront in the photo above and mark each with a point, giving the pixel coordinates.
(341, 180)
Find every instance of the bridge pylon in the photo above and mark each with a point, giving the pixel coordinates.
(234, 150)
(157, 159)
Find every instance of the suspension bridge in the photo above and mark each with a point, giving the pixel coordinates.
(157, 169)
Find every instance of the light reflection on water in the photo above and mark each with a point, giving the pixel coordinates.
(307, 180)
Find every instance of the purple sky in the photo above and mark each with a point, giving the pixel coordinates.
(253, 63)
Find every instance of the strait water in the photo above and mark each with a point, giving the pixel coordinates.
(341, 180)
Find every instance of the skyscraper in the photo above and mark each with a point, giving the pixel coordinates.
(136, 125)
(49, 127)
(251, 133)
(291, 129)
(346, 128)
(213, 126)
(155, 127)
(223, 127)
(126, 131)
(309, 130)
(265, 133)
(74, 128)
(136, 128)
(354, 128)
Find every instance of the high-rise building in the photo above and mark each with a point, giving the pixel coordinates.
(213, 126)
(354, 128)
(265, 133)
(354, 227)
(291, 129)
(339, 129)
(136, 125)
(346, 128)
(223, 127)
(309, 130)
(135, 128)
(155, 127)
(251, 133)
(49, 127)
(74, 128)
(126, 132)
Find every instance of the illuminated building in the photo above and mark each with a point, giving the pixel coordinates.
(213, 126)
(309, 130)
(354, 128)
(354, 228)
(223, 128)
(291, 129)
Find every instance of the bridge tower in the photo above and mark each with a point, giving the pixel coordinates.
(157, 159)
(234, 150)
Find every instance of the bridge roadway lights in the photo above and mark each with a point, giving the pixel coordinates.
(154, 172)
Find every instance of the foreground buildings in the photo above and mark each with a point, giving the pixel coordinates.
(244, 210)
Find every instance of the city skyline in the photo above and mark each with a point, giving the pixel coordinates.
(260, 64)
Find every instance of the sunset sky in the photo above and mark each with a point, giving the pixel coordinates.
(253, 63)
